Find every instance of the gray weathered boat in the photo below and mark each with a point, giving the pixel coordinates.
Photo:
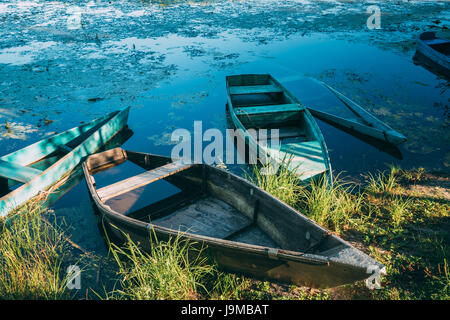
(243, 227)
(435, 49)
(258, 101)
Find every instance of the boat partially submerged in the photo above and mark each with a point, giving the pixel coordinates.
(436, 50)
(244, 228)
(40, 165)
(362, 121)
(258, 101)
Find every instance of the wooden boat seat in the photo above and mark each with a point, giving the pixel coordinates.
(140, 180)
(17, 172)
(255, 89)
(284, 133)
(268, 109)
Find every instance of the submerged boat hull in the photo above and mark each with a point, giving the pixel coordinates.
(93, 136)
(435, 49)
(279, 257)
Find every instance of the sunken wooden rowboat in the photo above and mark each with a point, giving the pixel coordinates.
(258, 101)
(243, 227)
(435, 49)
(364, 122)
(40, 165)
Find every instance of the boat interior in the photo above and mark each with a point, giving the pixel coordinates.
(201, 199)
(443, 48)
(259, 102)
(440, 45)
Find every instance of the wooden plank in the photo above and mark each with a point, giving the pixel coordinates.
(209, 217)
(291, 107)
(435, 41)
(66, 164)
(248, 79)
(284, 132)
(391, 136)
(105, 159)
(17, 172)
(140, 180)
(255, 89)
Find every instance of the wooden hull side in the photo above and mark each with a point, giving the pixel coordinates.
(437, 57)
(66, 164)
(252, 262)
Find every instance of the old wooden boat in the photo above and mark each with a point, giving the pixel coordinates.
(363, 122)
(243, 227)
(41, 164)
(435, 49)
(258, 101)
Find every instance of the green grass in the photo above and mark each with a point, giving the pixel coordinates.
(406, 231)
(31, 257)
(383, 182)
(334, 207)
(171, 270)
(284, 185)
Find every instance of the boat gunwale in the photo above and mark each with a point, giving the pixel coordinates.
(90, 125)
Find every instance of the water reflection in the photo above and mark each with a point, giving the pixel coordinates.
(430, 65)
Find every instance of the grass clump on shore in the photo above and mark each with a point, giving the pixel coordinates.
(383, 182)
(333, 207)
(31, 257)
(171, 270)
(401, 218)
(283, 185)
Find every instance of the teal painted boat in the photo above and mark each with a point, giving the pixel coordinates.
(40, 165)
(362, 122)
(258, 101)
(436, 50)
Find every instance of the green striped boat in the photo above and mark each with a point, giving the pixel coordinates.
(258, 101)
